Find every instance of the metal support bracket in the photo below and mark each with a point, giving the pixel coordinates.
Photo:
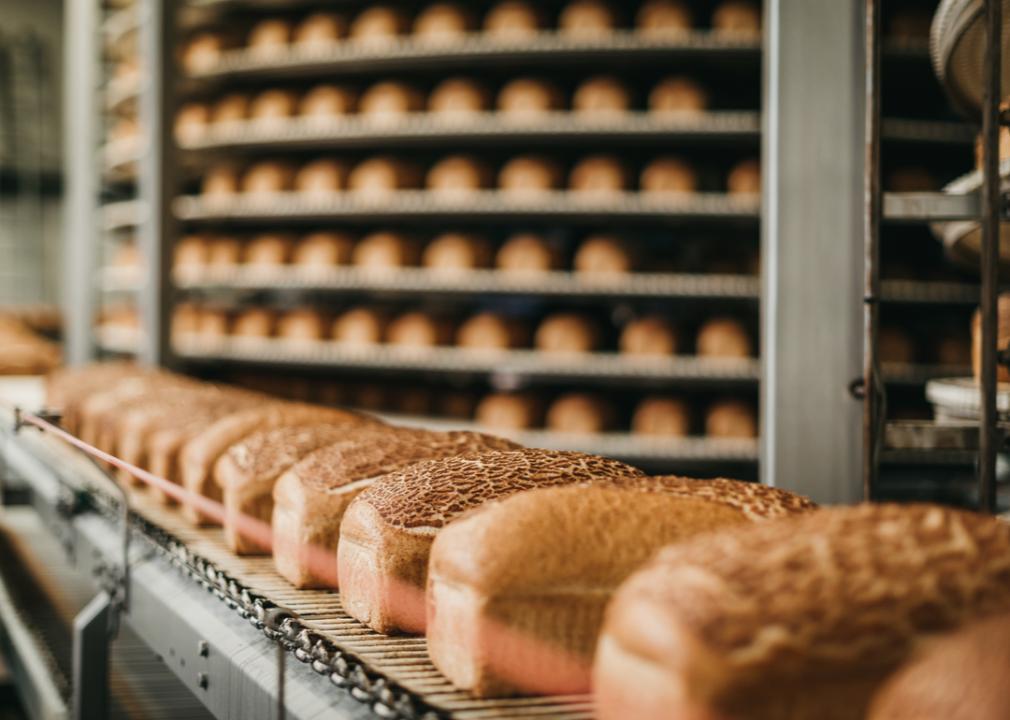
(91, 659)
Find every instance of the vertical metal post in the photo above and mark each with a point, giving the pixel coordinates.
(873, 391)
(811, 218)
(80, 121)
(989, 441)
(91, 660)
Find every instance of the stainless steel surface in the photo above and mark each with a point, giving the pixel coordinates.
(917, 207)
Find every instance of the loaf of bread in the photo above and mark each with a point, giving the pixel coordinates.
(269, 37)
(254, 323)
(221, 180)
(648, 335)
(674, 95)
(321, 177)
(744, 178)
(326, 101)
(458, 96)
(443, 21)
(598, 174)
(381, 175)
(417, 329)
(203, 51)
(223, 251)
(527, 252)
(191, 122)
(272, 105)
(723, 337)
(663, 18)
(508, 411)
(458, 175)
(390, 100)
(319, 30)
(737, 18)
(455, 251)
(191, 253)
(803, 617)
(382, 558)
(661, 416)
(668, 176)
(580, 414)
(185, 322)
(302, 325)
(603, 255)
(311, 497)
(378, 24)
(230, 108)
(567, 332)
(323, 249)
(529, 176)
(731, 418)
(267, 177)
(529, 97)
(268, 250)
(384, 250)
(490, 331)
(68, 387)
(513, 20)
(1002, 340)
(895, 345)
(499, 624)
(587, 19)
(601, 95)
(360, 326)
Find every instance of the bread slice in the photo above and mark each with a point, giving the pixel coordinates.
(386, 535)
(500, 623)
(310, 498)
(803, 617)
(248, 471)
(199, 455)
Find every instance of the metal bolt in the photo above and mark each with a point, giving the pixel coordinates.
(203, 648)
(202, 680)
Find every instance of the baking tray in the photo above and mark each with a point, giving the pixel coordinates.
(957, 48)
(962, 239)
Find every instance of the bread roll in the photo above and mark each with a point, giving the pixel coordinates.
(310, 499)
(490, 331)
(322, 177)
(587, 19)
(529, 97)
(737, 18)
(390, 100)
(513, 20)
(744, 178)
(418, 329)
(230, 108)
(598, 174)
(527, 252)
(579, 413)
(731, 418)
(458, 96)
(453, 251)
(319, 30)
(674, 95)
(387, 531)
(963, 675)
(381, 175)
(384, 250)
(457, 175)
(302, 325)
(508, 411)
(661, 416)
(269, 37)
(185, 322)
(254, 323)
(603, 255)
(268, 250)
(601, 95)
(529, 176)
(324, 102)
(192, 252)
(272, 105)
(483, 590)
(668, 176)
(203, 52)
(895, 345)
(267, 177)
(223, 251)
(723, 337)
(567, 332)
(360, 326)
(663, 18)
(191, 122)
(378, 24)
(213, 324)
(221, 180)
(749, 622)
(323, 249)
(649, 335)
(443, 21)
(888, 336)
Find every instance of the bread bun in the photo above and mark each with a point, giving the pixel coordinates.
(601, 174)
(603, 255)
(230, 108)
(458, 96)
(322, 177)
(566, 332)
(389, 100)
(526, 252)
(587, 18)
(895, 345)
(185, 322)
(508, 411)
(269, 37)
(737, 18)
(383, 250)
(579, 413)
(191, 122)
(320, 29)
(418, 329)
(529, 175)
(730, 418)
(663, 416)
(443, 21)
(457, 251)
(302, 325)
(490, 331)
(668, 176)
(191, 253)
(675, 95)
(378, 24)
(203, 52)
(458, 174)
(603, 94)
(268, 176)
(327, 101)
(254, 323)
(663, 18)
(513, 20)
(213, 324)
(224, 251)
(272, 105)
(383, 174)
(323, 249)
(723, 337)
(649, 335)
(268, 250)
(360, 326)
(744, 178)
(529, 97)
(220, 180)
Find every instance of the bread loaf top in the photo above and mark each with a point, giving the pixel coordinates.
(428, 494)
(756, 501)
(361, 455)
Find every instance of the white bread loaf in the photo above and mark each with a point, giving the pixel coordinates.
(512, 20)
(382, 559)
(68, 387)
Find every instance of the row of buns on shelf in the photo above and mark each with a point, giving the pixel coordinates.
(545, 572)
(456, 175)
(443, 22)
